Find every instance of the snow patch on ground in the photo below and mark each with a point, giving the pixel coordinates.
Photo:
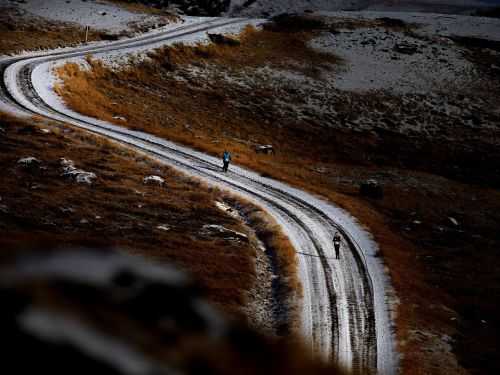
(372, 63)
(267, 7)
(97, 15)
(431, 24)
(273, 7)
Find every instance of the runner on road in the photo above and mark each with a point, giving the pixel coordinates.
(336, 244)
(226, 158)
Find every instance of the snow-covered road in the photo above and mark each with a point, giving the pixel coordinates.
(345, 307)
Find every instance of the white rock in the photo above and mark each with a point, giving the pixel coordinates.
(29, 161)
(163, 227)
(154, 180)
(80, 176)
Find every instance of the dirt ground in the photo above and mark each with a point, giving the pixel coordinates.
(437, 223)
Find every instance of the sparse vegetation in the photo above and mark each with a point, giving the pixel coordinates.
(439, 269)
(22, 33)
(41, 208)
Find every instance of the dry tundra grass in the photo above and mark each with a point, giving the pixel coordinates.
(426, 261)
(39, 206)
(41, 210)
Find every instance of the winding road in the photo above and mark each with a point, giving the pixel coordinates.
(345, 310)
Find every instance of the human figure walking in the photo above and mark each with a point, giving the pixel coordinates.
(336, 245)
(226, 158)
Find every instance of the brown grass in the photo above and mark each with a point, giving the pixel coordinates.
(427, 261)
(31, 218)
(258, 48)
(43, 208)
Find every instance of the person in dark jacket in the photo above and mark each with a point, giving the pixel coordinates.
(336, 245)
(226, 158)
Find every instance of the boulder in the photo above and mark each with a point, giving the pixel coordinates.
(264, 149)
(223, 39)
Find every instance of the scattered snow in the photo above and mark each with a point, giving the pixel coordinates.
(225, 232)
(97, 15)
(372, 62)
(431, 25)
(273, 7)
(276, 197)
(234, 26)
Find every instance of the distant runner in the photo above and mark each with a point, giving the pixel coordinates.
(226, 158)
(336, 244)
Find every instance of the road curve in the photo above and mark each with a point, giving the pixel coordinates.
(345, 313)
